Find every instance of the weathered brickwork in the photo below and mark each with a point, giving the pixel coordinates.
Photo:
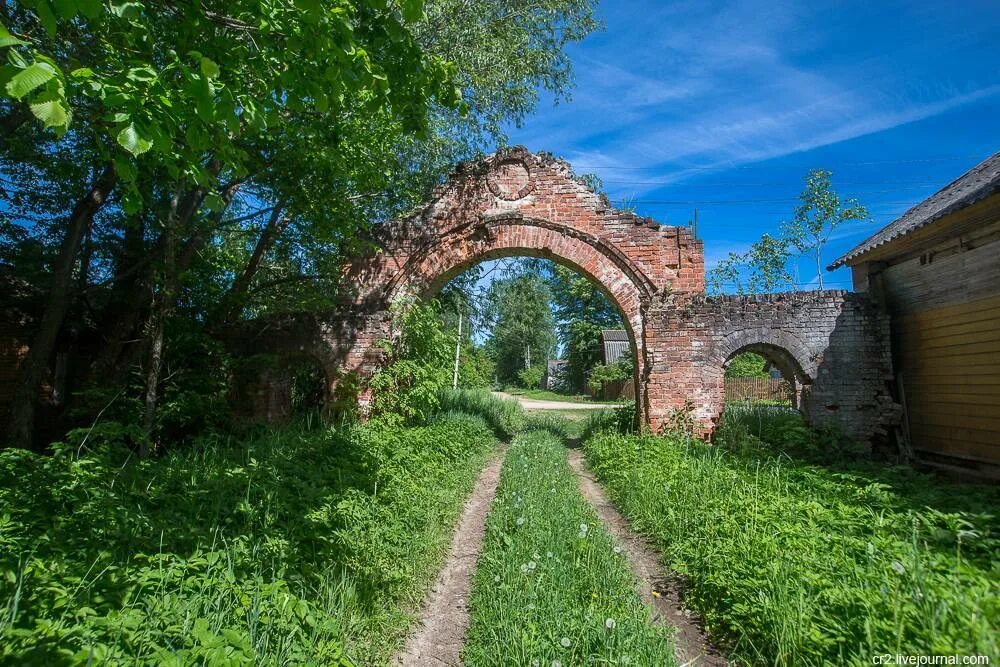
(516, 203)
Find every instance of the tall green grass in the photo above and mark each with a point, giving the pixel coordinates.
(801, 564)
(504, 415)
(293, 546)
(551, 587)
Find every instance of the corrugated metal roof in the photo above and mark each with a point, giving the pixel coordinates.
(614, 334)
(974, 185)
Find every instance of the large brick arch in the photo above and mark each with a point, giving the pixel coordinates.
(518, 203)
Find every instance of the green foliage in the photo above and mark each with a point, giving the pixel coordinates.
(504, 415)
(582, 312)
(419, 367)
(747, 365)
(763, 268)
(797, 564)
(294, 546)
(522, 329)
(531, 378)
(551, 585)
(818, 216)
(620, 370)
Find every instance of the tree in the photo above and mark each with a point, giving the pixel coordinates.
(522, 329)
(820, 213)
(252, 143)
(747, 365)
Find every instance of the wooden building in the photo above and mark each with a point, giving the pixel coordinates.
(936, 269)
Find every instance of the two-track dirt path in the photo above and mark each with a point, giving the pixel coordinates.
(660, 592)
(440, 634)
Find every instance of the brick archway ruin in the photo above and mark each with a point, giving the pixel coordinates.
(516, 203)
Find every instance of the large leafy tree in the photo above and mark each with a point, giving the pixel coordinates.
(203, 161)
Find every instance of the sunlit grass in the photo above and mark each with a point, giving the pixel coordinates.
(551, 586)
(292, 546)
(801, 564)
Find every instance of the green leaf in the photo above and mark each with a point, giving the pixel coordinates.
(51, 110)
(132, 201)
(130, 139)
(413, 10)
(90, 8)
(66, 9)
(82, 73)
(7, 39)
(47, 18)
(209, 69)
(126, 10)
(28, 79)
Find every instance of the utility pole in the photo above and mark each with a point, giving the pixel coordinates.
(458, 348)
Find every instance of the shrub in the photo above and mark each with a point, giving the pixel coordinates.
(531, 378)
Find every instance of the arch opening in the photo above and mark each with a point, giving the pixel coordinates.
(764, 372)
(606, 310)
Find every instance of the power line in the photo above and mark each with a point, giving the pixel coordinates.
(944, 158)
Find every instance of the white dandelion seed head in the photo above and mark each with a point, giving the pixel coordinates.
(520, 520)
(532, 565)
(610, 623)
(556, 663)
(566, 643)
(617, 549)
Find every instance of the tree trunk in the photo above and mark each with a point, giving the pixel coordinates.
(161, 309)
(233, 300)
(22, 409)
(819, 269)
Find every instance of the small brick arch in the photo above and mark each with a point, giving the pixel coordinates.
(783, 347)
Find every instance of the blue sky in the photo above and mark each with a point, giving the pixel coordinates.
(723, 107)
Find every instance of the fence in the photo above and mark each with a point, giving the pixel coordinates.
(741, 389)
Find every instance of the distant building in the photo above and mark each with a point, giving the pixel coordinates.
(554, 377)
(936, 269)
(614, 345)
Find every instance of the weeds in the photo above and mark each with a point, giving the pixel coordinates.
(799, 564)
(295, 546)
(551, 587)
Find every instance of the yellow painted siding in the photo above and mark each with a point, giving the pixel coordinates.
(949, 358)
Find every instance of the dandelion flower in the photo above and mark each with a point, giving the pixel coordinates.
(548, 554)
(584, 528)
(520, 520)
(610, 623)
(556, 663)
(566, 643)
(496, 579)
(617, 549)
(535, 663)
(532, 565)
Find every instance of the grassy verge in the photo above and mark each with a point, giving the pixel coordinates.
(550, 588)
(802, 564)
(295, 546)
(546, 395)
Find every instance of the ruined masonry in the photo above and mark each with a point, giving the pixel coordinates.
(834, 344)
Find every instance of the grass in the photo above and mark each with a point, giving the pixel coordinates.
(550, 588)
(546, 395)
(293, 546)
(797, 563)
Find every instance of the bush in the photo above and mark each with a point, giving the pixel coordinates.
(531, 378)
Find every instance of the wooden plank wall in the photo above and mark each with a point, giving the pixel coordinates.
(944, 301)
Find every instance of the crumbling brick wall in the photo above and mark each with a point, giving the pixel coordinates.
(517, 203)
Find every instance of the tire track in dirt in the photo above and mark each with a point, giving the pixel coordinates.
(662, 594)
(439, 635)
